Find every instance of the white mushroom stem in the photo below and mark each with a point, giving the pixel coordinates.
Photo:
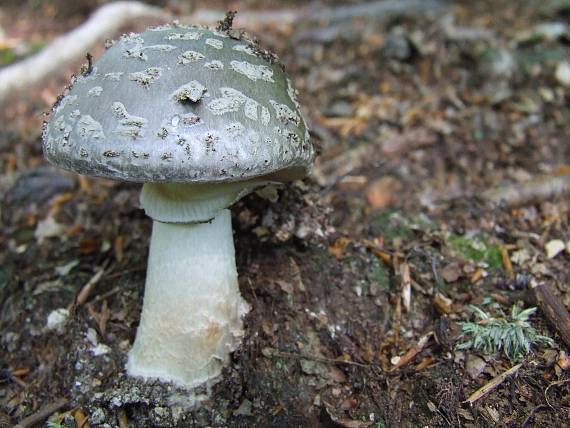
(192, 312)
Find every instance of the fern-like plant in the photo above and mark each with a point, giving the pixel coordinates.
(511, 334)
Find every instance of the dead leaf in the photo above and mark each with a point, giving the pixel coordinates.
(383, 192)
(338, 247)
(475, 365)
(443, 304)
(451, 272)
(285, 286)
(89, 246)
(563, 361)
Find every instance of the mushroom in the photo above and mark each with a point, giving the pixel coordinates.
(202, 119)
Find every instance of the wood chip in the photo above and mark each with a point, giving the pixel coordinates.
(338, 247)
(413, 351)
(507, 265)
(81, 419)
(406, 286)
(443, 304)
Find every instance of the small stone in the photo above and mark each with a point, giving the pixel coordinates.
(452, 272)
(554, 247)
(520, 257)
(48, 228)
(56, 320)
(562, 73)
(397, 47)
(502, 64)
(64, 270)
(244, 408)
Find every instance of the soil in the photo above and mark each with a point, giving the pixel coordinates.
(358, 276)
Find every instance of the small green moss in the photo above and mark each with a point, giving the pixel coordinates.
(36, 46)
(390, 225)
(380, 275)
(476, 249)
(7, 56)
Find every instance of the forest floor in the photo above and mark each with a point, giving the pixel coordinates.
(358, 277)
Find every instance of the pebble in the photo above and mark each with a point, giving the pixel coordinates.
(397, 47)
(562, 73)
(56, 320)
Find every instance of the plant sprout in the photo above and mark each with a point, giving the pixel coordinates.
(511, 334)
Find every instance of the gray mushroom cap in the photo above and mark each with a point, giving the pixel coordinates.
(181, 104)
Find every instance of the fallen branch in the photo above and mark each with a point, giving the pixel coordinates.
(332, 170)
(103, 23)
(553, 310)
(42, 414)
(313, 13)
(109, 18)
(538, 190)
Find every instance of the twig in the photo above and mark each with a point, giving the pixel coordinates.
(105, 295)
(42, 414)
(492, 384)
(83, 295)
(553, 310)
(406, 285)
(560, 382)
(106, 21)
(538, 190)
(122, 272)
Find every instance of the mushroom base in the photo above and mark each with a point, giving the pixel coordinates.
(192, 313)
